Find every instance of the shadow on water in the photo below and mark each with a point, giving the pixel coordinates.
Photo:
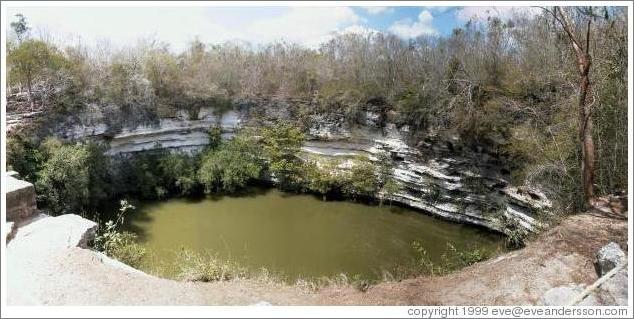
(109, 210)
(248, 192)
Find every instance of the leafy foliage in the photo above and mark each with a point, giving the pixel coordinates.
(24, 156)
(117, 244)
(231, 166)
(72, 178)
(280, 145)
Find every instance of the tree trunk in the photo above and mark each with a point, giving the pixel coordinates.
(29, 91)
(585, 133)
(584, 61)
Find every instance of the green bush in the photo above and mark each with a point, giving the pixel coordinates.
(24, 157)
(124, 248)
(322, 178)
(361, 180)
(179, 173)
(231, 167)
(215, 137)
(516, 235)
(280, 145)
(73, 178)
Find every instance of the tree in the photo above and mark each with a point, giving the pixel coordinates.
(64, 181)
(179, 173)
(231, 166)
(361, 180)
(280, 144)
(30, 61)
(585, 104)
(24, 157)
(21, 27)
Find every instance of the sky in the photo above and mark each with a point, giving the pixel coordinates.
(308, 26)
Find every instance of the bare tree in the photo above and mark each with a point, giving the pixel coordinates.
(584, 61)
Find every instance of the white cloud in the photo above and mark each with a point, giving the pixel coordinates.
(378, 10)
(504, 13)
(179, 25)
(439, 9)
(407, 29)
(309, 26)
(359, 29)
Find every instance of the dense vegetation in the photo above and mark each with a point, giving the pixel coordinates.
(509, 86)
(73, 178)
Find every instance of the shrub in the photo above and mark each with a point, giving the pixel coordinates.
(179, 173)
(120, 245)
(64, 181)
(321, 180)
(73, 177)
(361, 180)
(124, 248)
(452, 259)
(516, 235)
(215, 137)
(24, 157)
(280, 145)
(206, 268)
(230, 167)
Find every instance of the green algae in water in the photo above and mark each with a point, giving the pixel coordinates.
(297, 236)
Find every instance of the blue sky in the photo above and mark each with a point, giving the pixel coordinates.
(444, 18)
(308, 26)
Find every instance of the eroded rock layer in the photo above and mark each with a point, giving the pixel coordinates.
(464, 186)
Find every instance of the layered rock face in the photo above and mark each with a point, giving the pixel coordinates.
(467, 186)
(437, 180)
(180, 133)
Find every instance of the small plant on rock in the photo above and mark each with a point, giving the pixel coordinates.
(118, 244)
(516, 234)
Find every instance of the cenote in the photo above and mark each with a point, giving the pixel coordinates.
(297, 236)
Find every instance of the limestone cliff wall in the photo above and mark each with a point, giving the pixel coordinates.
(466, 187)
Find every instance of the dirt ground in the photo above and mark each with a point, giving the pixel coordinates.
(77, 276)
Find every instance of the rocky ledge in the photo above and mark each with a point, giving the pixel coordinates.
(447, 185)
(181, 132)
(471, 188)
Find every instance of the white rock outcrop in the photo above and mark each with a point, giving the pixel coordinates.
(608, 257)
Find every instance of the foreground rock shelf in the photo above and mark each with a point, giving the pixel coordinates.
(46, 247)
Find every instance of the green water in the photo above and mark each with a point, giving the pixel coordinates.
(298, 236)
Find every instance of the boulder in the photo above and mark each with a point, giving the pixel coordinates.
(614, 290)
(44, 234)
(20, 197)
(563, 295)
(608, 257)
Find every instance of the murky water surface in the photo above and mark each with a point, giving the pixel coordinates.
(298, 236)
